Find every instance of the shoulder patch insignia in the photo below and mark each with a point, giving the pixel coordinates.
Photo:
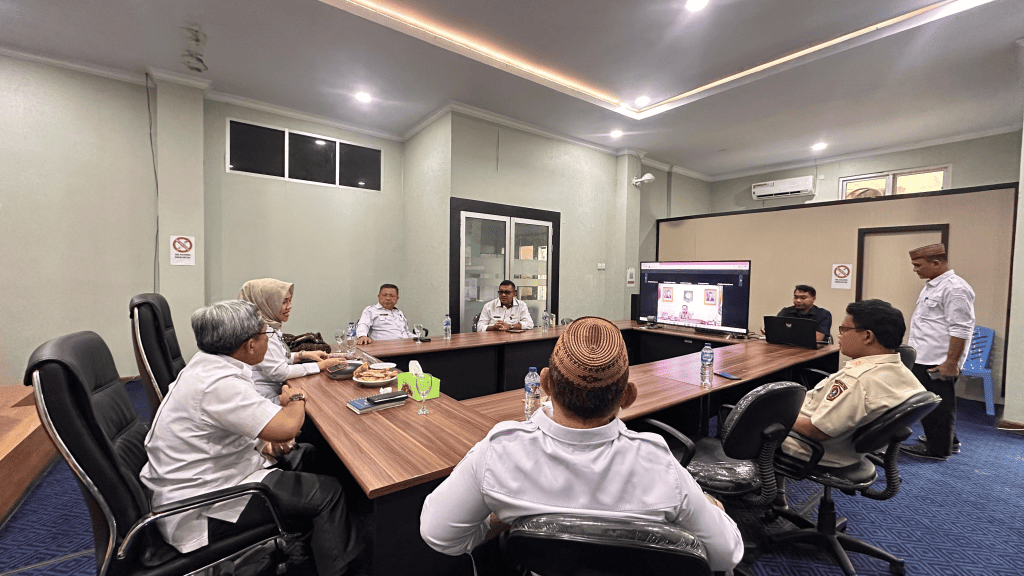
(837, 388)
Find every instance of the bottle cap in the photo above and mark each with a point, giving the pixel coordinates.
(533, 368)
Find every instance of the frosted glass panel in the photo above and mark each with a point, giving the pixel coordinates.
(484, 265)
(530, 269)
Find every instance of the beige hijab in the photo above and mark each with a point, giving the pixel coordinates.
(267, 294)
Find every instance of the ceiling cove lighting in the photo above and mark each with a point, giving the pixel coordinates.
(433, 32)
(447, 36)
(616, 134)
(819, 146)
(696, 5)
(363, 97)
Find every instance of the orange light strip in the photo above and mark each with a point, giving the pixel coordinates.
(478, 47)
(435, 32)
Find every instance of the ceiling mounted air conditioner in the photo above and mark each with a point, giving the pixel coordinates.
(800, 186)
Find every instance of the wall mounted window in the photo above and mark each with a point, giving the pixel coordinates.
(910, 181)
(281, 153)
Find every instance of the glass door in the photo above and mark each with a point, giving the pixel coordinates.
(528, 262)
(484, 263)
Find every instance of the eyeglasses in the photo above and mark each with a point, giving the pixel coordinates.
(268, 331)
(845, 329)
(505, 292)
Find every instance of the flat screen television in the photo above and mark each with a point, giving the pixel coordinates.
(708, 296)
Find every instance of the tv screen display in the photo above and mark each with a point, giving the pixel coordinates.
(704, 295)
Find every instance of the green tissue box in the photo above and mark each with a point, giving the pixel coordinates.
(407, 379)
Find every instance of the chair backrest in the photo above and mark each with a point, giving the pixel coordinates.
(979, 357)
(476, 319)
(908, 355)
(894, 424)
(566, 321)
(564, 544)
(156, 345)
(764, 407)
(86, 410)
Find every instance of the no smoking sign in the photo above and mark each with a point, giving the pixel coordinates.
(841, 276)
(183, 250)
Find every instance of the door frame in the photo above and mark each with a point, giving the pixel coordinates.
(862, 233)
(455, 246)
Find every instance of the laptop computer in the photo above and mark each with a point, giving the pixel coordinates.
(791, 331)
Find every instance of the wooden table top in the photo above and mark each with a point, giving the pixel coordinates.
(394, 448)
(389, 348)
(674, 381)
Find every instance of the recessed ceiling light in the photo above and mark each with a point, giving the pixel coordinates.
(616, 133)
(643, 101)
(361, 183)
(363, 97)
(696, 5)
(819, 146)
(320, 142)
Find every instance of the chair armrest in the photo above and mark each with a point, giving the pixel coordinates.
(723, 413)
(676, 440)
(201, 501)
(795, 467)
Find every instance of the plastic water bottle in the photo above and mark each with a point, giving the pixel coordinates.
(350, 338)
(447, 327)
(707, 366)
(531, 387)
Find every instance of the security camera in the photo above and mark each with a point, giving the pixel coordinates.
(646, 178)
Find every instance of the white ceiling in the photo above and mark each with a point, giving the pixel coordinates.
(949, 78)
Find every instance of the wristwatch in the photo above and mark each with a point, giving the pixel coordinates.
(297, 396)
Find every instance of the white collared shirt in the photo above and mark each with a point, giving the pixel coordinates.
(278, 366)
(379, 323)
(538, 466)
(860, 392)
(204, 438)
(493, 311)
(944, 309)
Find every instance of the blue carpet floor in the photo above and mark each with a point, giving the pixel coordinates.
(959, 517)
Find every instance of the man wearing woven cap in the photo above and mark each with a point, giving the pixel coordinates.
(589, 461)
(940, 331)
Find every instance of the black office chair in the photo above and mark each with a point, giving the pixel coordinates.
(476, 319)
(577, 545)
(888, 430)
(85, 409)
(566, 321)
(156, 345)
(739, 461)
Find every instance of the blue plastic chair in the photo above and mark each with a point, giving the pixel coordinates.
(979, 363)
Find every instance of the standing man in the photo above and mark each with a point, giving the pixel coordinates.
(803, 307)
(505, 312)
(382, 321)
(940, 331)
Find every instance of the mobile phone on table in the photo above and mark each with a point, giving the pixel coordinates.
(728, 376)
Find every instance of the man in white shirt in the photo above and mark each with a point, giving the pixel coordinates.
(505, 312)
(940, 331)
(589, 461)
(208, 433)
(382, 321)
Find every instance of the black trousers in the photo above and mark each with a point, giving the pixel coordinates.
(336, 540)
(940, 424)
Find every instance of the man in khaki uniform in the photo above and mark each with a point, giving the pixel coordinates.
(869, 384)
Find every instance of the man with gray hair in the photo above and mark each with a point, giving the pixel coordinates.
(208, 433)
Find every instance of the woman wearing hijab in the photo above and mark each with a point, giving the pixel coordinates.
(274, 299)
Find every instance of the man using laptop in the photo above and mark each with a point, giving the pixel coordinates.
(803, 307)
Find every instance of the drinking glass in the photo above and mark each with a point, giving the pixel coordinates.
(423, 386)
(418, 331)
(339, 337)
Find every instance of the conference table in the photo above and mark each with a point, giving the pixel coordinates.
(398, 457)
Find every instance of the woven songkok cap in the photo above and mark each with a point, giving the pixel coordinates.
(929, 250)
(591, 353)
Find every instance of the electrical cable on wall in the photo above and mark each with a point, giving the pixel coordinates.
(156, 182)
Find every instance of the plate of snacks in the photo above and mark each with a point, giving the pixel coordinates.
(375, 375)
